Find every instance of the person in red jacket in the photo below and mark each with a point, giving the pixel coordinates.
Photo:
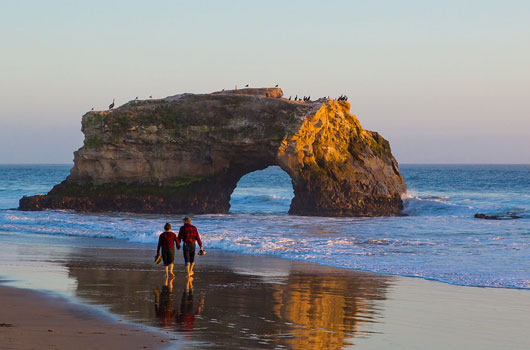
(166, 242)
(188, 235)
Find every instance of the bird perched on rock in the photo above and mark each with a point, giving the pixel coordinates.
(111, 106)
(296, 98)
(289, 98)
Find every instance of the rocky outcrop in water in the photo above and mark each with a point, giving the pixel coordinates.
(186, 153)
(507, 216)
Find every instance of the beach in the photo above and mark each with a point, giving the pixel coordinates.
(237, 301)
(32, 320)
(271, 280)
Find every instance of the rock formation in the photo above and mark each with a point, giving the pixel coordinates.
(186, 153)
(507, 216)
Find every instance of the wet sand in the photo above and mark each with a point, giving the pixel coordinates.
(253, 302)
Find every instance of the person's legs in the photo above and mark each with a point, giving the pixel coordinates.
(188, 269)
(168, 256)
(187, 257)
(171, 284)
(192, 258)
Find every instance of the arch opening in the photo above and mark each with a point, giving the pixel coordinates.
(267, 191)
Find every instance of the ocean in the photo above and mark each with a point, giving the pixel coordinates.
(439, 239)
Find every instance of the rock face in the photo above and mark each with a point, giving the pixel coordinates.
(186, 153)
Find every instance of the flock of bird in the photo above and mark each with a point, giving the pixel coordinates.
(303, 99)
(308, 98)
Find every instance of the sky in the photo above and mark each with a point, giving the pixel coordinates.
(443, 81)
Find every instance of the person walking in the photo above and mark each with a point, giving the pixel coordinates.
(166, 243)
(188, 235)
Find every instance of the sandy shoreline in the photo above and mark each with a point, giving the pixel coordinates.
(33, 320)
(255, 302)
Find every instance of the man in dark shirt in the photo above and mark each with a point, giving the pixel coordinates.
(188, 235)
(167, 241)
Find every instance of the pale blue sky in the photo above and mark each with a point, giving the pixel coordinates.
(443, 81)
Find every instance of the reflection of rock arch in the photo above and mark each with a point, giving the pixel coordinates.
(186, 153)
(325, 311)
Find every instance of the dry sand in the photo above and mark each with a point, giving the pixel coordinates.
(32, 320)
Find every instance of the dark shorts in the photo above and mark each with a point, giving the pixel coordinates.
(188, 249)
(168, 255)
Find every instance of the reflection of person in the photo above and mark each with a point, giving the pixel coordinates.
(188, 235)
(167, 241)
(164, 303)
(186, 317)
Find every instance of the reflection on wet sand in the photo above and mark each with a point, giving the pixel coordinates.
(186, 317)
(323, 310)
(164, 310)
(224, 308)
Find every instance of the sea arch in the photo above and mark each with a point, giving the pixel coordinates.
(186, 153)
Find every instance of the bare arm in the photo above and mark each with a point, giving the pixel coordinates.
(199, 239)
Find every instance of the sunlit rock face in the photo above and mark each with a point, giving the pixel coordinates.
(186, 153)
